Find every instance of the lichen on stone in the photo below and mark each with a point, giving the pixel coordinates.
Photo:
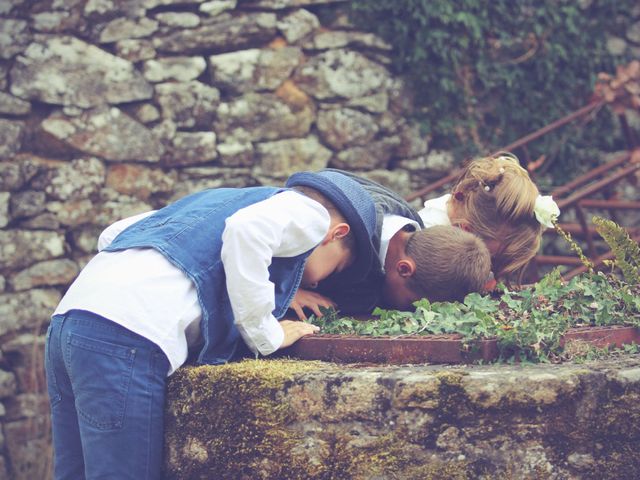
(229, 420)
(273, 419)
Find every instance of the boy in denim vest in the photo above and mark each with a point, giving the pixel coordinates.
(212, 273)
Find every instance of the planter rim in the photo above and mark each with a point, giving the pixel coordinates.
(439, 348)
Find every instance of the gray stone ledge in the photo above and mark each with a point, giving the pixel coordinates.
(320, 420)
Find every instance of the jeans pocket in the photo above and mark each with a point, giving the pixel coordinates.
(49, 368)
(100, 373)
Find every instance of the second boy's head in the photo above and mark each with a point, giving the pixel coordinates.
(348, 245)
(441, 263)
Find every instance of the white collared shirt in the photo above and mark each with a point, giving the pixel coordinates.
(392, 224)
(144, 292)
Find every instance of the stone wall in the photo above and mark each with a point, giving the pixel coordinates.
(270, 419)
(113, 107)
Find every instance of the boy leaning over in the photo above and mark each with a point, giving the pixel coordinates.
(212, 273)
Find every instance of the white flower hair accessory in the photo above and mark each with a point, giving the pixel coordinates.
(546, 210)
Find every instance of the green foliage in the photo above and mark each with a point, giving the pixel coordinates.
(487, 73)
(626, 251)
(530, 322)
(527, 323)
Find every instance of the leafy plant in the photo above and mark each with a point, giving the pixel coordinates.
(626, 251)
(580, 351)
(566, 236)
(528, 323)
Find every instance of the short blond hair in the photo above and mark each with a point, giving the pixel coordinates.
(450, 263)
(496, 197)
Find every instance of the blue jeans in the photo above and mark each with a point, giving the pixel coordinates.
(106, 388)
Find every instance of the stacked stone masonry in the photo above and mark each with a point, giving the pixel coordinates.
(110, 108)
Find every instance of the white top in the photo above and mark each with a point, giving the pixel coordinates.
(435, 211)
(392, 224)
(144, 292)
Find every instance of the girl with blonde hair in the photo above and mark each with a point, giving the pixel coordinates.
(496, 199)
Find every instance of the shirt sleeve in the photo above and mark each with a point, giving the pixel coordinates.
(284, 225)
(109, 234)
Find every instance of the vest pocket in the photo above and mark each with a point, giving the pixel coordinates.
(100, 373)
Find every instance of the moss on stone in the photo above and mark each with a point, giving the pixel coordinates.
(450, 377)
(618, 418)
(615, 460)
(453, 399)
(229, 421)
(233, 419)
(250, 420)
(386, 457)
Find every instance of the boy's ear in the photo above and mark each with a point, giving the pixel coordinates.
(406, 267)
(338, 231)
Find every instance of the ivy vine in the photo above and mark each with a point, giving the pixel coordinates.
(528, 323)
(487, 73)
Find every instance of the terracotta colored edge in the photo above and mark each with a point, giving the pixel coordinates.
(434, 348)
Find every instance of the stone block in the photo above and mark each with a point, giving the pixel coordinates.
(25, 355)
(28, 446)
(323, 420)
(8, 384)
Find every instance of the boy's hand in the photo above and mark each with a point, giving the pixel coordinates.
(295, 330)
(311, 300)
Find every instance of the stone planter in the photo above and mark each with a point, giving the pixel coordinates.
(411, 349)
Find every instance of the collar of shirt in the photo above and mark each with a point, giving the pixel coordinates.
(435, 211)
(392, 224)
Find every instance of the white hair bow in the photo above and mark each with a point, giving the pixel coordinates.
(546, 210)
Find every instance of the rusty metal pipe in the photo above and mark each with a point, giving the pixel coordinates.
(591, 174)
(518, 143)
(435, 185)
(553, 125)
(572, 228)
(597, 186)
(606, 204)
(557, 260)
(576, 230)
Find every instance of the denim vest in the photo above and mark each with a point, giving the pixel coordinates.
(189, 234)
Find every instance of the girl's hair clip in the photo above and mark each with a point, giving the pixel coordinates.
(501, 170)
(487, 188)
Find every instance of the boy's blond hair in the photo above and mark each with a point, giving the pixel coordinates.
(496, 197)
(450, 263)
